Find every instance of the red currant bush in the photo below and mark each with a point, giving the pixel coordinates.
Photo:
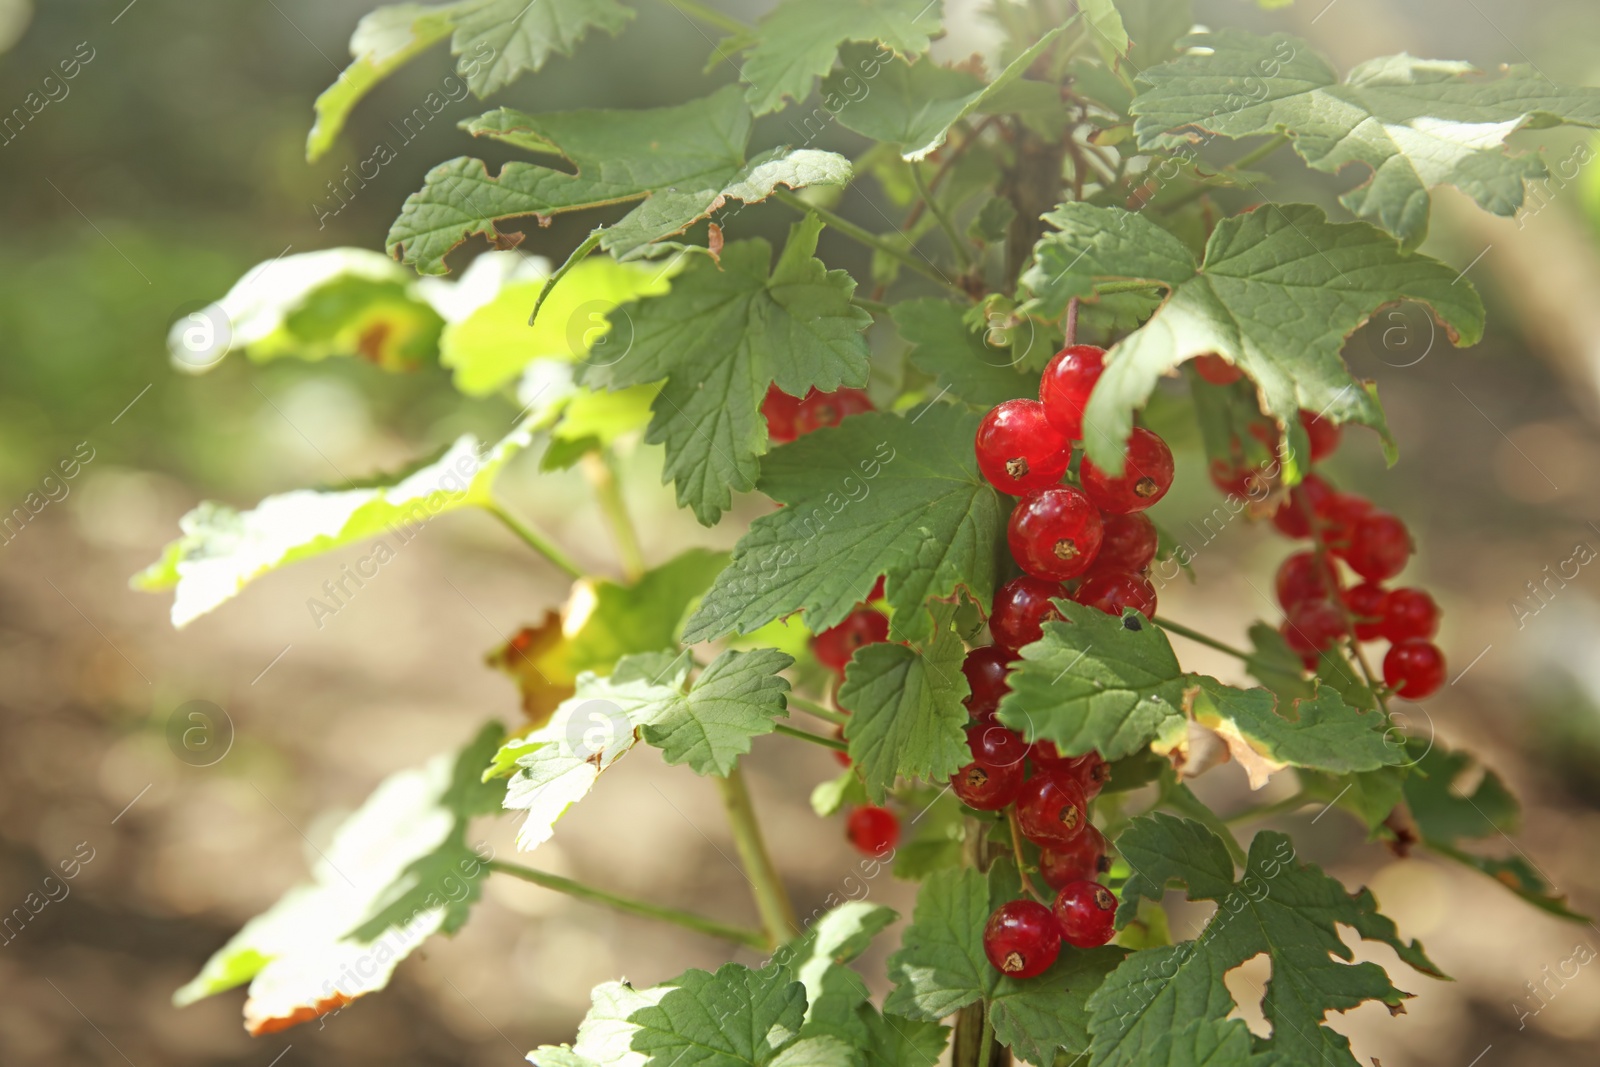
(987, 788)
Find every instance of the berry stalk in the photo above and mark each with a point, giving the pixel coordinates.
(772, 899)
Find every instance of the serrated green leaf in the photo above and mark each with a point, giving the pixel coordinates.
(733, 1018)
(1415, 123)
(1096, 682)
(492, 346)
(396, 872)
(1370, 795)
(879, 494)
(907, 719)
(1277, 666)
(944, 346)
(222, 550)
(1323, 733)
(914, 104)
(993, 220)
(683, 162)
(799, 40)
(1280, 907)
(1332, 275)
(740, 696)
(725, 332)
(941, 967)
(494, 40)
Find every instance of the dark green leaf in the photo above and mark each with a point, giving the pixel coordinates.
(944, 346)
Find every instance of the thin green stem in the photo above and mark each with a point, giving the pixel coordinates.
(1126, 287)
(963, 252)
(1200, 638)
(601, 470)
(772, 899)
(573, 260)
(689, 920)
(710, 16)
(1266, 811)
(811, 707)
(868, 238)
(1016, 849)
(986, 1042)
(815, 739)
(535, 539)
(873, 306)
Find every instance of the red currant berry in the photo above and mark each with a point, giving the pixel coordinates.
(1217, 370)
(877, 590)
(1018, 450)
(985, 670)
(1127, 542)
(1303, 576)
(1064, 389)
(1414, 669)
(987, 788)
(1146, 476)
(1379, 547)
(1086, 912)
(1083, 860)
(1093, 772)
(1324, 435)
(819, 410)
(1046, 757)
(872, 829)
(1293, 518)
(1308, 659)
(1241, 481)
(779, 409)
(1111, 591)
(1313, 625)
(1055, 534)
(1365, 602)
(1408, 614)
(1022, 938)
(993, 745)
(1020, 608)
(1338, 516)
(841, 756)
(834, 646)
(1052, 809)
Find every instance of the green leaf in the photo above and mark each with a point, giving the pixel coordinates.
(1334, 276)
(222, 550)
(1323, 733)
(799, 40)
(494, 40)
(944, 346)
(629, 619)
(830, 796)
(337, 302)
(907, 719)
(878, 495)
(733, 1018)
(490, 347)
(725, 332)
(1097, 682)
(738, 697)
(1414, 123)
(1369, 795)
(913, 105)
(605, 1037)
(558, 763)
(1107, 25)
(683, 162)
(1154, 27)
(1280, 907)
(932, 840)
(1447, 812)
(1277, 666)
(941, 967)
(396, 872)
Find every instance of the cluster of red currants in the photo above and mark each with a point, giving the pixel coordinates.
(790, 417)
(1093, 534)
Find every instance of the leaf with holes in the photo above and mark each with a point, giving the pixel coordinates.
(1281, 907)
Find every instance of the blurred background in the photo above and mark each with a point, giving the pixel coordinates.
(174, 161)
